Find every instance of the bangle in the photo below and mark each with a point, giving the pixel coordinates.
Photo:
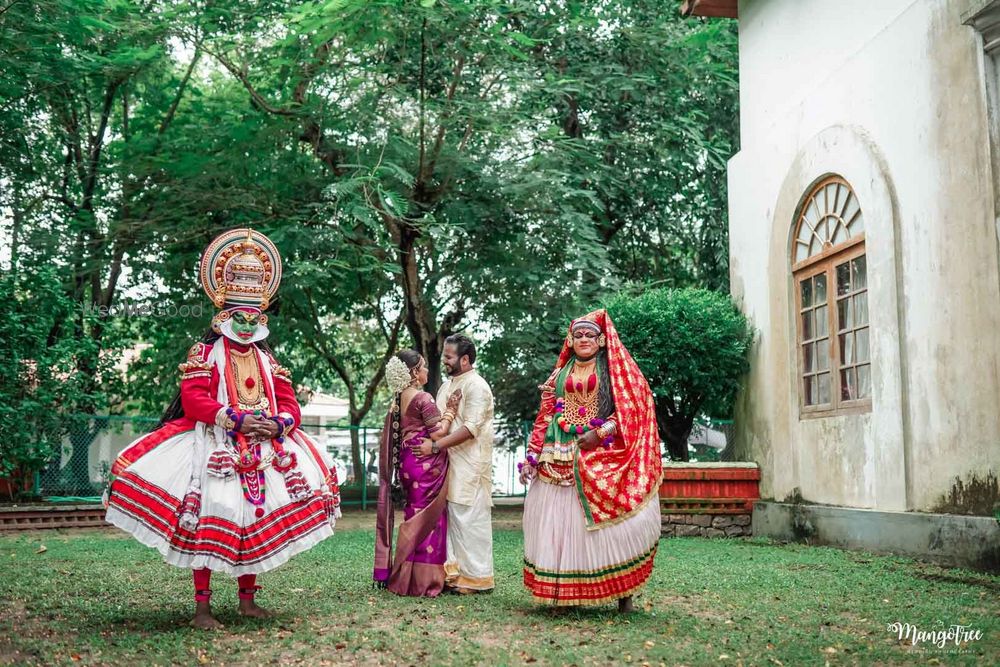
(435, 448)
(529, 459)
(448, 416)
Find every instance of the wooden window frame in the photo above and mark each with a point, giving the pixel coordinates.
(826, 262)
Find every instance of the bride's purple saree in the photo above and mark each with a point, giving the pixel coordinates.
(417, 568)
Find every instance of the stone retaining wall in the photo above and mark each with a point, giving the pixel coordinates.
(705, 525)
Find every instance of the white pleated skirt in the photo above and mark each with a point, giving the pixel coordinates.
(146, 497)
(566, 564)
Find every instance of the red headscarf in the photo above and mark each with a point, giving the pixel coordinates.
(615, 483)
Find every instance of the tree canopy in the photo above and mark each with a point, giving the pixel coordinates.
(424, 166)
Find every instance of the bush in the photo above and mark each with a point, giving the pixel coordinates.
(692, 346)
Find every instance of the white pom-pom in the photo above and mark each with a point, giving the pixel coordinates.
(397, 375)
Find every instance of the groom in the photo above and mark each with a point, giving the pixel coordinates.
(469, 568)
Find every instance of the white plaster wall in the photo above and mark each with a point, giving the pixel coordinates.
(888, 94)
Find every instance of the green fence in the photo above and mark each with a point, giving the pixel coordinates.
(83, 468)
(92, 444)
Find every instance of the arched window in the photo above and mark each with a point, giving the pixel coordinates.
(830, 274)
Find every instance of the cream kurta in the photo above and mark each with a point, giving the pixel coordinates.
(471, 462)
(470, 484)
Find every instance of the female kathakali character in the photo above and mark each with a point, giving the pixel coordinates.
(591, 516)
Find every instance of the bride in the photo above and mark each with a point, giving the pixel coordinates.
(417, 568)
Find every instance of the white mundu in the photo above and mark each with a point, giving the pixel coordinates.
(470, 485)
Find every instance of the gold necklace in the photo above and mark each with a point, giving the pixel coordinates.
(246, 372)
(580, 401)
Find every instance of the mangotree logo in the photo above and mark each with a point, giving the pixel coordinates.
(941, 637)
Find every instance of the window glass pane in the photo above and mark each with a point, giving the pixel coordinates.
(861, 344)
(822, 232)
(808, 350)
(823, 388)
(861, 308)
(809, 389)
(858, 225)
(801, 251)
(822, 321)
(805, 232)
(850, 210)
(807, 324)
(864, 381)
(843, 279)
(840, 235)
(807, 291)
(820, 285)
(823, 354)
(812, 213)
(831, 198)
(845, 315)
(848, 384)
(858, 268)
(846, 349)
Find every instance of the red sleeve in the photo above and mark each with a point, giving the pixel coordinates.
(284, 392)
(196, 379)
(545, 412)
(287, 403)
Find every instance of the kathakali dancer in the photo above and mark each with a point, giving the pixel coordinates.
(591, 516)
(228, 482)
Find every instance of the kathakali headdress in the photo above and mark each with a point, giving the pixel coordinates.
(240, 271)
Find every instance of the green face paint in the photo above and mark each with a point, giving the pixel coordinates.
(245, 325)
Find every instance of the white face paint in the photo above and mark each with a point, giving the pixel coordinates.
(260, 334)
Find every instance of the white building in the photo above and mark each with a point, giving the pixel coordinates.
(863, 208)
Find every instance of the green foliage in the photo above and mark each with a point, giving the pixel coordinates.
(424, 167)
(692, 346)
(40, 379)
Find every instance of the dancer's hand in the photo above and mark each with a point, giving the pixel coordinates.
(423, 449)
(453, 400)
(528, 473)
(589, 440)
(259, 426)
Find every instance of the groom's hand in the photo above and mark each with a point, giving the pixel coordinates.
(423, 449)
(589, 440)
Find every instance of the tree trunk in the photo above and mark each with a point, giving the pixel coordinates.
(674, 431)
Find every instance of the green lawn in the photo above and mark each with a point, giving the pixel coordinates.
(98, 597)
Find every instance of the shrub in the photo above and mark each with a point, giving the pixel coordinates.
(692, 346)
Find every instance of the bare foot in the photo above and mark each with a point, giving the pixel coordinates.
(625, 605)
(250, 608)
(203, 619)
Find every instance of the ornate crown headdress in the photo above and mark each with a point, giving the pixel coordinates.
(241, 268)
(397, 375)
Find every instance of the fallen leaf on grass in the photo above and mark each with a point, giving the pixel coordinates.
(649, 644)
(724, 656)
(203, 658)
(830, 650)
(340, 646)
(41, 549)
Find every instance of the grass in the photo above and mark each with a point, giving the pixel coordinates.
(99, 597)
